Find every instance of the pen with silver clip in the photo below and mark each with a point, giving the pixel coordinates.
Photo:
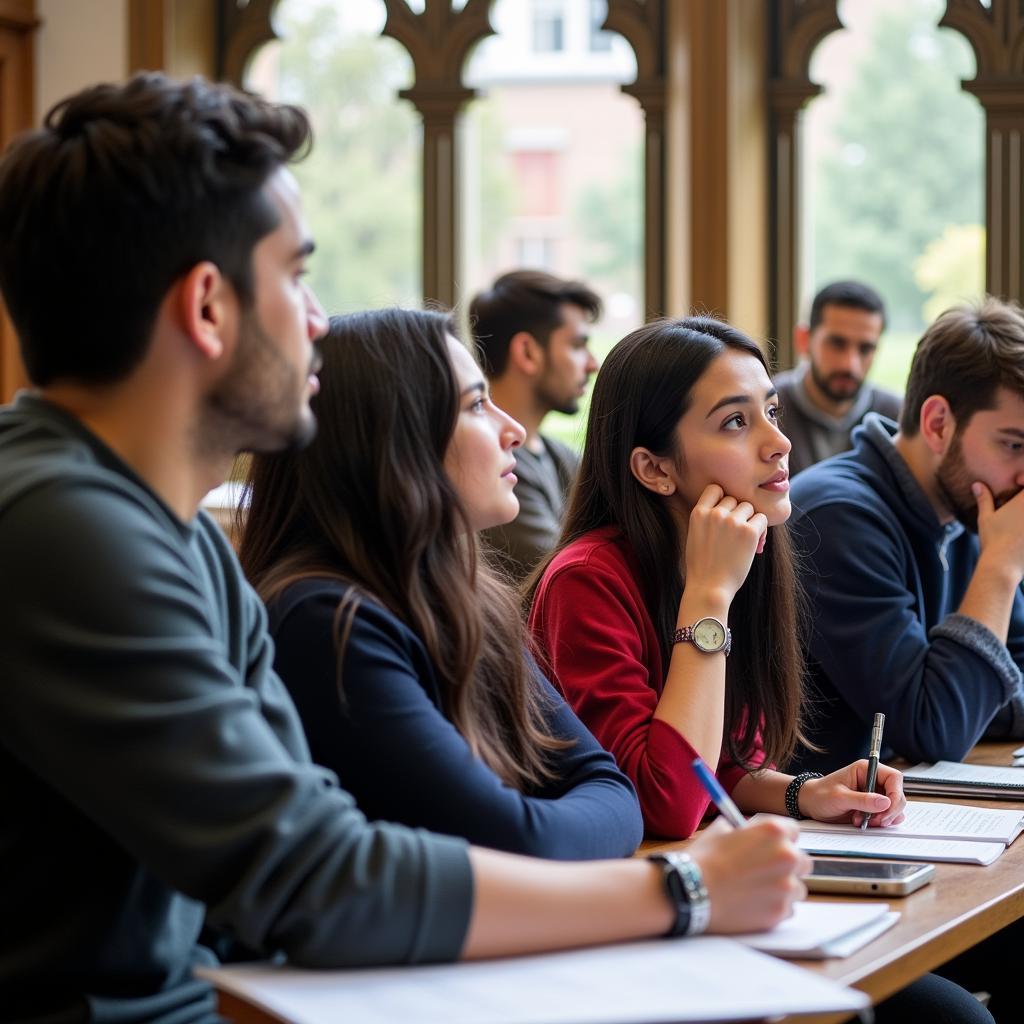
(873, 754)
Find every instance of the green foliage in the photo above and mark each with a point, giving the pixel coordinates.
(951, 268)
(493, 197)
(609, 220)
(361, 183)
(908, 160)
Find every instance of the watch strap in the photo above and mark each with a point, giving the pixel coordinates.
(685, 635)
(684, 886)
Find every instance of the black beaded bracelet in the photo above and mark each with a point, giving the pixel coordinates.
(793, 794)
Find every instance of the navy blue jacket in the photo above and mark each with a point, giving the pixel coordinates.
(387, 737)
(884, 580)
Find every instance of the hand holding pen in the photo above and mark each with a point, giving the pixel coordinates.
(873, 754)
(753, 870)
(719, 797)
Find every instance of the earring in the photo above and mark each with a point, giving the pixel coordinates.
(665, 488)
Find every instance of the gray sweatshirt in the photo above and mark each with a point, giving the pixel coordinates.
(154, 767)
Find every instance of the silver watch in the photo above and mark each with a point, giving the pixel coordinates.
(707, 635)
(684, 886)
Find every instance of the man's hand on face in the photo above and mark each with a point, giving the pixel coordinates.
(1001, 530)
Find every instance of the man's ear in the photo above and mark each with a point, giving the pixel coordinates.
(937, 425)
(802, 339)
(525, 353)
(207, 306)
(652, 471)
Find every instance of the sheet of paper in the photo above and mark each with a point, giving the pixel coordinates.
(955, 771)
(935, 820)
(852, 844)
(635, 983)
(815, 929)
(849, 944)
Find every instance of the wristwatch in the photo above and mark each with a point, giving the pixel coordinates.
(684, 886)
(707, 635)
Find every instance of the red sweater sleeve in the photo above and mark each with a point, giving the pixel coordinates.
(597, 642)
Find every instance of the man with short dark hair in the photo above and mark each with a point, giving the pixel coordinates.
(912, 547)
(824, 398)
(152, 249)
(531, 329)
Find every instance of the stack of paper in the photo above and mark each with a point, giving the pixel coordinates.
(634, 983)
(820, 930)
(951, 778)
(931, 832)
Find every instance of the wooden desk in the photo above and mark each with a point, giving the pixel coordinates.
(962, 906)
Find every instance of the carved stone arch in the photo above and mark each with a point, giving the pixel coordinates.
(801, 25)
(798, 27)
(243, 26)
(978, 25)
(642, 25)
(996, 34)
(439, 39)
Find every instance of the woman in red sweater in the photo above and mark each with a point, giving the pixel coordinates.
(674, 532)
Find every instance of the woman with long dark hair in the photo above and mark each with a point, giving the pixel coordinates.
(668, 613)
(405, 656)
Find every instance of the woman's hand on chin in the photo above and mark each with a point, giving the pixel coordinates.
(840, 797)
(722, 538)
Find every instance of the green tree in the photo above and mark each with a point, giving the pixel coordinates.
(361, 183)
(907, 161)
(951, 268)
(609, 219)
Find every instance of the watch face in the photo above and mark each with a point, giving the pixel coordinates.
(709, 635)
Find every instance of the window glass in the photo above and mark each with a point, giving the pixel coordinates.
(552, 167)
(894, 174)
(361, 184)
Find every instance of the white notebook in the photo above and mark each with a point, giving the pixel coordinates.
(953, 778)
(817, 931)
(633, 983)
(932, 832)
(859, 844)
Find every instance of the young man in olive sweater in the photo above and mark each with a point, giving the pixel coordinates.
(155, 770)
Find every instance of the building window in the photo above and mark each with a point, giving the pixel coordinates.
(548, 26)
(600, 42)
(536, 252)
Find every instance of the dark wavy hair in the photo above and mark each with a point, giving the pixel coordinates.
(524, 300)
(642, 390)
(369, 502)
(123, 190)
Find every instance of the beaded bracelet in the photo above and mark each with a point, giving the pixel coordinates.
(793, 794)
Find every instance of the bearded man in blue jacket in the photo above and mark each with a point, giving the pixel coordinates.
(911, 548)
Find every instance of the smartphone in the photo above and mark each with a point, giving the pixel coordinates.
(868, 877)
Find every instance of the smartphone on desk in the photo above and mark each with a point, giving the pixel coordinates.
(868, 877)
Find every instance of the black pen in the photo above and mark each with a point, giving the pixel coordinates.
(876, 747)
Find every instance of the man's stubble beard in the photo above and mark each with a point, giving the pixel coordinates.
(260, 405)
(822, 384)
(954, 484)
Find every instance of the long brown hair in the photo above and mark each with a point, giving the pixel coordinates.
(369, 503)
(642, 391)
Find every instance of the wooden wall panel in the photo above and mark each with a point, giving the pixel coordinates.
(17, 25)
